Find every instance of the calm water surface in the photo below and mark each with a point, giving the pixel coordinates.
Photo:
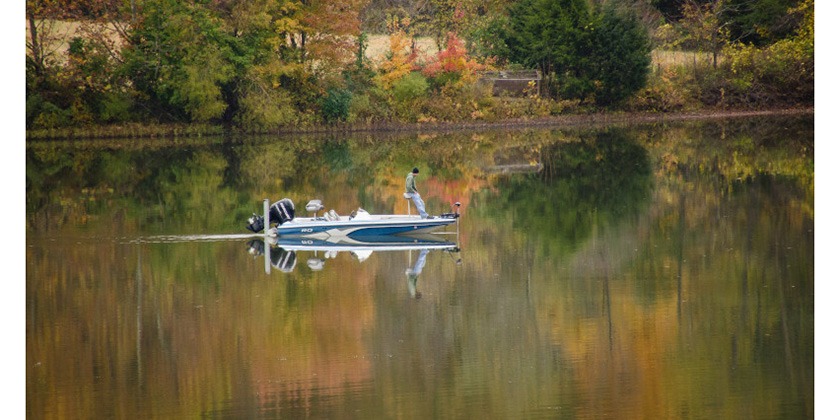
(652, 271)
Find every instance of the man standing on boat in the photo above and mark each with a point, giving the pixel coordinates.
(411, 192)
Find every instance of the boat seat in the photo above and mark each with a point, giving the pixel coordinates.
(314, 206)
(332, 216)
(361, 214)
(407, 202)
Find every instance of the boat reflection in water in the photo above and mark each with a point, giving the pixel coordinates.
(278, 258)
(281, 252)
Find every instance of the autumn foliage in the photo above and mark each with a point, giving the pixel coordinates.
(399, 60)
(264, 65)
(452, 64)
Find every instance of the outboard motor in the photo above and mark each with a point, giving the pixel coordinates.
(255, 223)
(279, 213)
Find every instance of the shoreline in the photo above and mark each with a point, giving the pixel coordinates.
(560, 121)
(140, 131)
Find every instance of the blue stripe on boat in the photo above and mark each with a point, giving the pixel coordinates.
(362, 229)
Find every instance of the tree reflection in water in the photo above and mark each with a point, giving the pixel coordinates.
(652, 271)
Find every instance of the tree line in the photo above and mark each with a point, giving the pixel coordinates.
(266, 64)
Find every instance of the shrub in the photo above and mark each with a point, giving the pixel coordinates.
(369, 107)
(671, 89)
(359, 109)
(336, 105)
(440, 108)
(261, 110)
(452, 65)
(410, 87)
(34, 104)
(783, 71)
(115, 107)
(51, 116)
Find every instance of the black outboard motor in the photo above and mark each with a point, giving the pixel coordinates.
(279, 213)
(255, 223)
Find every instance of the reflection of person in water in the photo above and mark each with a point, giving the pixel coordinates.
(414, 273)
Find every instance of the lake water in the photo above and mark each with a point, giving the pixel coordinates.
(635, 271)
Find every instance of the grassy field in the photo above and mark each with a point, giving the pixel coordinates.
(57, 34)
(670, 58)
(378, 45)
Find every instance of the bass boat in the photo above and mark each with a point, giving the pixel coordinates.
(283, 223)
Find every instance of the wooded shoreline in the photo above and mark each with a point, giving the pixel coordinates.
(172, 69)
(157, 130)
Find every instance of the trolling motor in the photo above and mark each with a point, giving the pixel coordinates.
(454, 215)
(280, 212)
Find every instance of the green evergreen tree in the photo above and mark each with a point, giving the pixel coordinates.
(604, 56)
(671, 9)
(760, 22)
(335, 105)
(548, 35)
(619, 59)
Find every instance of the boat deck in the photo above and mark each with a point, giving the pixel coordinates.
(361, 225)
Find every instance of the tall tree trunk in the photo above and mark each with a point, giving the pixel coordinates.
(303, 47)
(133, 13)
(714, 49)
(35, 44)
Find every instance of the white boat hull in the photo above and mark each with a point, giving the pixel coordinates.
(372, 225)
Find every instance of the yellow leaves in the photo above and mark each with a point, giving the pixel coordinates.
(397, 62)
(399, 41)
(291, 7)
(287, 25)
(387, 80)
(271, 72)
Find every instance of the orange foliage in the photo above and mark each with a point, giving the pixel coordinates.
(453, 60)
(400, 58)
(333, 26)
